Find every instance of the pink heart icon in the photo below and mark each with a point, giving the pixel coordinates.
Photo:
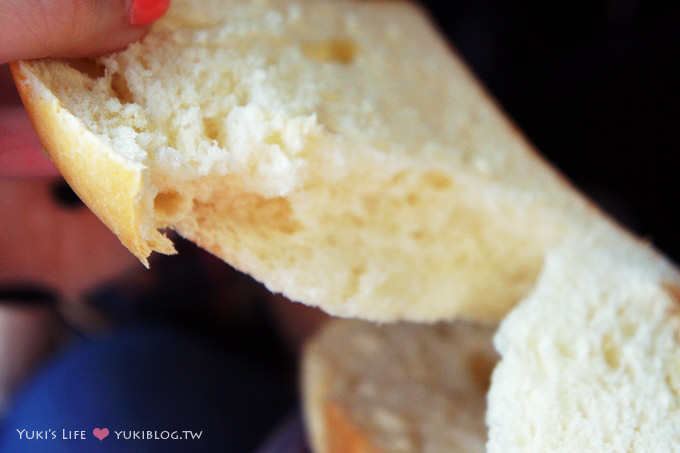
(100, 433)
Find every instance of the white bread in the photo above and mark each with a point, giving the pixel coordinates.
(338, 151)
(397, 388)
(590, 361)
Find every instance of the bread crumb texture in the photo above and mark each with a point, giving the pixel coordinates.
(590, 360)
(398, 388)
(338, 151)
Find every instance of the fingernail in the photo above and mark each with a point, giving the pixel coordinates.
(144, 12)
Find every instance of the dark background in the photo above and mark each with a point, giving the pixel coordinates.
(593, 84)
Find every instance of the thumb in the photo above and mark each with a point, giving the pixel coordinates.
(72, 28)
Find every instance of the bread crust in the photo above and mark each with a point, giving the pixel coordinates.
(343, 436)
(113, 188)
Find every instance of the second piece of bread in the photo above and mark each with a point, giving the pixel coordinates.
(397, 388)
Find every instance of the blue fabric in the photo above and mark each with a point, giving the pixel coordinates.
(144, 383)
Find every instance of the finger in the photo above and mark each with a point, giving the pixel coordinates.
(72, 28)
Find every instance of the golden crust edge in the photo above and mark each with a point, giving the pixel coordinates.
(345, 435)
(113, 188)
(315, 383)
(329, 426)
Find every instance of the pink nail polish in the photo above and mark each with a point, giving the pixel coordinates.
(144, 12)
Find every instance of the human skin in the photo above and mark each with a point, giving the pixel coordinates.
(57, 28)
(30, 250)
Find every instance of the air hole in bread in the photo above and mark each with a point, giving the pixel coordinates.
(628, 329)
(275, 139)
(611, 352)
(437, 180)
(673, 384)
(565, 350)
(87, 66)
(412, 198)
(144, 62)
(358, 270)
(168, 204)
(399, 178)
(120, 89)
(337, 50)
(212, 128)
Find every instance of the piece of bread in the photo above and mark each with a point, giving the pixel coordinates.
(590, 360)
(402, 387)
(338, 151)
(316, 146)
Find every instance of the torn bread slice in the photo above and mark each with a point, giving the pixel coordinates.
(397, 388)
(590, 360)
(337, 151)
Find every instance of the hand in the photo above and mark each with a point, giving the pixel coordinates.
(57, 28)
(42, 242)
(72, 28)
(48, 241)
